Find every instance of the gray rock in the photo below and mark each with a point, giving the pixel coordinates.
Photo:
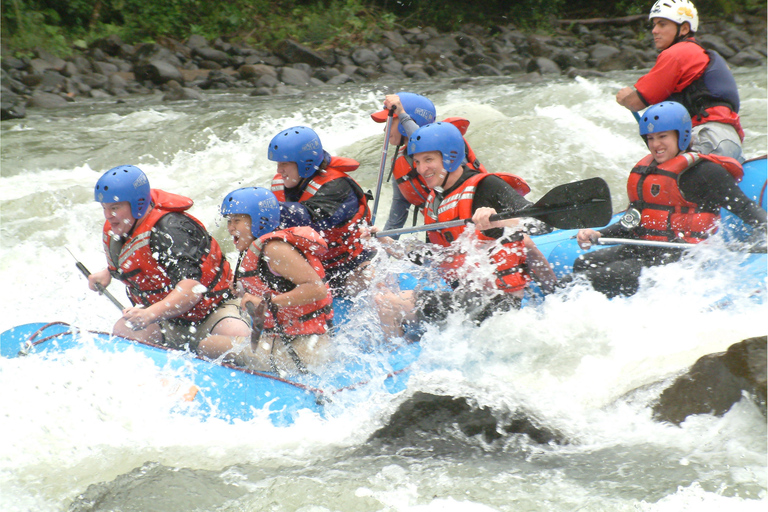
(46, 100)
(293, 52)
(178, 93)
(363, 56)
(476, 58)
(717, 381)
(261, 91)
(157, 72)
(747, 58)
(293, 76)
(392, 67)
(11, 105)
(211, 54)
(485, 70)
(249, 71)
(325, 74)
(339, 79)
(304, 67)
(544, 66)
(105, 68)
(717, 43)
(267, 81)
(197, 41)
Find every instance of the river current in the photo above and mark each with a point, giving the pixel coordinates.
(75, 439)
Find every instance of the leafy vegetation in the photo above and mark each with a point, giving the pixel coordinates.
(57, 25)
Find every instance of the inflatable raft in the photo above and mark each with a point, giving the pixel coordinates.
(212, 389)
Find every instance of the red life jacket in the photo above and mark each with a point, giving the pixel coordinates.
(146, 280)
(253, 272)
(508, 257)
(665, 214)
(411, 184)
(343, 241)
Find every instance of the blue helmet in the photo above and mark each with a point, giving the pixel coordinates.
(298, 144)
(419, 107)
(664, 116)
(259, 203)
(124, 183)
(442, 137)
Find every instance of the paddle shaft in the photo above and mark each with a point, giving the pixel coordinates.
(647, 243)
(531, 212)
(98, 286)
(383, 164)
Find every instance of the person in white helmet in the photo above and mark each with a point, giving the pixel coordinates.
(687, 73)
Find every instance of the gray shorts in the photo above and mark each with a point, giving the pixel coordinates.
(183, 335)
(717, 139)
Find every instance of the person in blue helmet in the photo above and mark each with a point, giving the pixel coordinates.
(176, 276)
(674, 196)
(280, 274)
(460, 192)
(314, 189)
(411, 112)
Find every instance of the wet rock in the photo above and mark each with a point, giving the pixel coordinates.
(11, 105)
(414, 53)
(716, 382)
(293, 52)
(178, 93)
(427, 413)
(157, 72)
(46, 100)
(748, 58)
(717, 43)
(293, 76)
(544, 66)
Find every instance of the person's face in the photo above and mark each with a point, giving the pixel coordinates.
(663, 145)
(239, 226)
(119, 217)
(394, 133)
(664, 32)
(429, 165)
(290, 173)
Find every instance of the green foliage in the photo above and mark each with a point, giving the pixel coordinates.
(56, 25)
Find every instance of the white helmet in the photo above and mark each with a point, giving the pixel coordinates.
(678, 11)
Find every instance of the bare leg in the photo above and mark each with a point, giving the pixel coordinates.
(151, 333)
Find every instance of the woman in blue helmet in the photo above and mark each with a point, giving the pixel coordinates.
(460, 192)
(280, 273)
(314, 190)
(176, 276)
(674, 195)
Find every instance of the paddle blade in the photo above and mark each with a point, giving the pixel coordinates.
(578, 205)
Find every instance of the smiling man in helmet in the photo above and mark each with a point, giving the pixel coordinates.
(687, 73)
(176, 276)
(458, 191)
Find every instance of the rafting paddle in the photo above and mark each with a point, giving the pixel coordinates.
(383, 164)
(98, 286)
(576, 205)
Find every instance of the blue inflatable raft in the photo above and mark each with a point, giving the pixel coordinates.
(211, 389)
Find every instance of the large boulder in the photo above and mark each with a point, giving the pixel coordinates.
(438, 414)
(294, 52)
(716, 382)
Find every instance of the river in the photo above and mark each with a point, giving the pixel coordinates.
(74, 439)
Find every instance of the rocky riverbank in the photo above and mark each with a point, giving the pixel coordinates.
(109, 68)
